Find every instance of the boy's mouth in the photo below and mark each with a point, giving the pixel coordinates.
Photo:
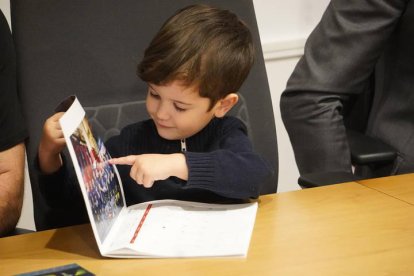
(161, 125)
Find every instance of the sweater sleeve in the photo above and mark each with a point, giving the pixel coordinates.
(231, 168)
(60, 189)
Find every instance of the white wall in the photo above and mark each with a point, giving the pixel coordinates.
(5, 8)
(284, 27)
(281, 21)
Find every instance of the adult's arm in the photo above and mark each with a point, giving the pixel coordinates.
(11, 186)
(12, 135)
(339, 59)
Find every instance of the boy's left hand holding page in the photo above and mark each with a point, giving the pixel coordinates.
(51, 145)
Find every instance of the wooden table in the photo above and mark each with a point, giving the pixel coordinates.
(402, 187)
(344, 229)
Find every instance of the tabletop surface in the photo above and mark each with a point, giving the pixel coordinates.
(400, 189)
(344, 229)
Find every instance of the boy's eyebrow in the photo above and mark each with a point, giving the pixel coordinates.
(150, 86)
(180, 102)
(176, 101)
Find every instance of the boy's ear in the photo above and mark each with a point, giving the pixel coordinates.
(224, 105)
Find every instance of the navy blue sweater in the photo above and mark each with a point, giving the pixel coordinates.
(222, 166)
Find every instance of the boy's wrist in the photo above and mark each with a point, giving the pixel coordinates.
(180, 166)
(49, 163)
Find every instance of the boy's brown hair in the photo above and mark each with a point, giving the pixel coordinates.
(203, 46)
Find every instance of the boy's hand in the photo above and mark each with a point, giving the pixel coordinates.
(147, 168)
(51, 144)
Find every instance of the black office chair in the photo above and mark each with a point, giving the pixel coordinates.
(366, 152)
(91, 49)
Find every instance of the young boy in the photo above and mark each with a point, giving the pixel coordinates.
(189, 149)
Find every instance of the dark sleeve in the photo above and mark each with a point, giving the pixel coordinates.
(12, 125)
(61, 189)
(233, 170)
(340, 57)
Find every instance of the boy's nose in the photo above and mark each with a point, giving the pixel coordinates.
(162, 112)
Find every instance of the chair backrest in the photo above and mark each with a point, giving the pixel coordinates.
(91, 49)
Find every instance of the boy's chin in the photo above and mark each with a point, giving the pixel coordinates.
(168, 136)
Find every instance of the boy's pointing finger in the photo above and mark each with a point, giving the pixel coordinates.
(126, 160)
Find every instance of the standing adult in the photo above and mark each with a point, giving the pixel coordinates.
(12, 135)
(358, 45)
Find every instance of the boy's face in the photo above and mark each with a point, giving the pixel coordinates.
(178, 111)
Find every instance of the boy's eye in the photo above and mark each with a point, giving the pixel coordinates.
(179, 109)
(153, 94)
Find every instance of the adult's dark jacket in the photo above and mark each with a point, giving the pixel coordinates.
(359, 46)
